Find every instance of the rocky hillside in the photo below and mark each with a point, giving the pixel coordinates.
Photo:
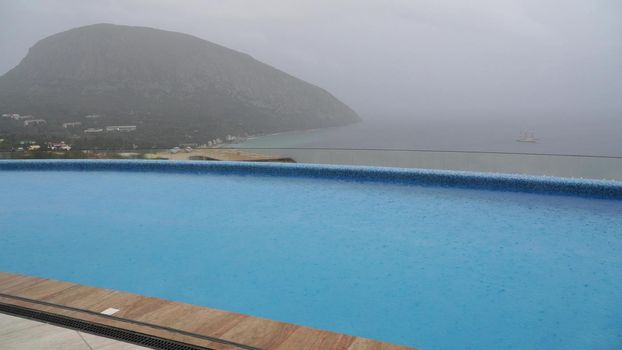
(174, 87)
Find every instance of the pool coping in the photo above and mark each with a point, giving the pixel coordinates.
(609, 189)
(175, 321)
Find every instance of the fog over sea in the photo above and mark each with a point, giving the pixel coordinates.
(576, 137)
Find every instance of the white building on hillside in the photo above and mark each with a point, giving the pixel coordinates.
(71, 125)
(121, 128)
(31, 122)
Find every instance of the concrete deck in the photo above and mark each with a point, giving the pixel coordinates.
(22, 334)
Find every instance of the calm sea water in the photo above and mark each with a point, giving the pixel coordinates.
(557, 137)
(436, 268)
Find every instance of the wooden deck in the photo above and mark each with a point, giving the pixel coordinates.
(201, 326)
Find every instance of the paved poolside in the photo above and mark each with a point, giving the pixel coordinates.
(23, 334)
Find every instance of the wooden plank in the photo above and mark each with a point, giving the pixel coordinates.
(192, 318)
(261, 333)
(307, 338)
(82, 297)
(9, 282)
(368, 344)
(176, 318)
(39, 290)
(124, 302)
(216, 322)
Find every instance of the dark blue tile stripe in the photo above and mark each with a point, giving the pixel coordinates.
(489, 181)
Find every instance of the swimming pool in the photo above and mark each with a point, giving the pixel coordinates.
(436, 260)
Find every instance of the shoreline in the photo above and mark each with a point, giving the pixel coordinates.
(286, 133)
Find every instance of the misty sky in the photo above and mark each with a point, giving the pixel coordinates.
(479, 58)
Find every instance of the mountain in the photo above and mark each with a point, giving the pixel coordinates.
(174, 87)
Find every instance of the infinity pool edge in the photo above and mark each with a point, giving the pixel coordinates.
(609, 189)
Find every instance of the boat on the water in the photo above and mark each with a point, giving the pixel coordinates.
(527, 136)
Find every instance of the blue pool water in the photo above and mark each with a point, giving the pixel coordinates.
(432, 267)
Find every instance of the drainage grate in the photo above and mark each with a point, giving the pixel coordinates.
(112, 317)
(99, 329)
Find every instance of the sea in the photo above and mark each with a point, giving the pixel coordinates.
(586, 137)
